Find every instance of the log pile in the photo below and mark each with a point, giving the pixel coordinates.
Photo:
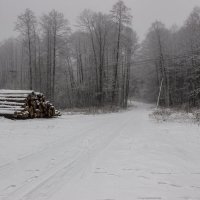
(25, 104)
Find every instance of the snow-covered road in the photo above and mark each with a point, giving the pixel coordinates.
(119, 156)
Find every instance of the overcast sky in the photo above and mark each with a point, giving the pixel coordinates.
(144, 11)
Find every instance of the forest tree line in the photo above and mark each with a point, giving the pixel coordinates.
(86, 67)
(167, 66)
(101, 62)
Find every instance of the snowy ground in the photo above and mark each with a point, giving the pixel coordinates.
(121, 156)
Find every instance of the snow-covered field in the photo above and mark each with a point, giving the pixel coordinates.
(119, 156)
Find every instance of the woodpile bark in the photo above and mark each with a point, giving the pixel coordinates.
(25, 104)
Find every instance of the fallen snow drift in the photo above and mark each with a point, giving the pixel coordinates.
(120, 156)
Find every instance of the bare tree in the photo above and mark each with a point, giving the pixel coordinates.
(26, 24)
(120, 14)
(55, 28)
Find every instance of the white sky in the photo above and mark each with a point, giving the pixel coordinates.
(144, 11)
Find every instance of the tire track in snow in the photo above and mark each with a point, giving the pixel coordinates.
(48, 184)
(11, 164)
(59, 147)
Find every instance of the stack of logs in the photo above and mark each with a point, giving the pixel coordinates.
(25, 104)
